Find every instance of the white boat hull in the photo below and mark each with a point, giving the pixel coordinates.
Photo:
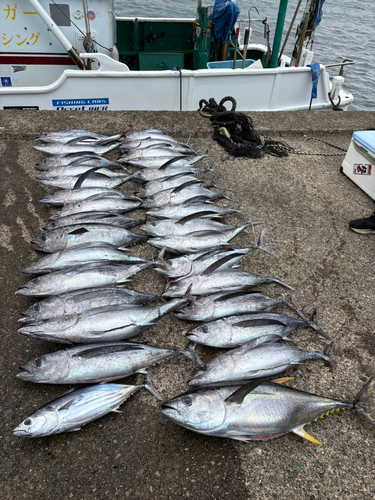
(280, 89)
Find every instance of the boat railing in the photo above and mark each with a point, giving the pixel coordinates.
(346, 62)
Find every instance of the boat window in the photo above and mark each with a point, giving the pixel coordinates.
(60, 14)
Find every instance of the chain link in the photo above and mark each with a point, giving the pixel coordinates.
(301, 152)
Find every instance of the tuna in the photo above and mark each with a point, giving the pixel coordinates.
(257, 411)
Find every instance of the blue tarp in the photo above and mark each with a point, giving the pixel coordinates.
(318, 13)
(315, 72)
(224, 18)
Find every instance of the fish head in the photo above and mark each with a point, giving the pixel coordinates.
(42, 285)
(42, 263)
(211, 334)
(199, 310)
(172, 268)
(175, 289)
(29, 287)
(53, 306)
(48, 368)
(49, 241)
(150, 228)
(71, 209)
(157, 200)
(51, 329)
(59, 213)
(200, 410)
(41, 423)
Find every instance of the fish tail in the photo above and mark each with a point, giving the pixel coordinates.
(327, 355)
(189, 352)
(213, 170)
(224, 195)
(314, 325)
(361, 402)
(261, 246)
(147, 384)
(239, 210)
(276, 280)
(290, 303)
(159, 262)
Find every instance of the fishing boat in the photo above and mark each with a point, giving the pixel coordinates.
(79, 55)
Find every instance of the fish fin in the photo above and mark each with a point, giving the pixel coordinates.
(81, 230)
(84, 176)
(282, 380)
(257, 322)
(300, 431)
(104, 349)
(173, 160)
(116, 410)
(185, 185)
(193, 216)
(67, 405)
(220, 262)
(239, 395)
(74, 430)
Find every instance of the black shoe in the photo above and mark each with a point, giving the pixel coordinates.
(363, 226)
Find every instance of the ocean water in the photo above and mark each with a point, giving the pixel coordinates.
(346, 32)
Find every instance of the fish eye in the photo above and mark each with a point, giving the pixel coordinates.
(28, 421)
(38, 361)
(36, 307)
(153, 224)
(169, 262)
(204, 328)
(53, 224)
(44, 237)
(189, 305)
(187, 400)
(35, 281)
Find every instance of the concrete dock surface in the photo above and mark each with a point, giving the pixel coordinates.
(304, 204)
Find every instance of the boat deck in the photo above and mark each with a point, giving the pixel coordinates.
(305, 204)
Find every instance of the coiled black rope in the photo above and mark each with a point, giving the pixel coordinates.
(235, 132)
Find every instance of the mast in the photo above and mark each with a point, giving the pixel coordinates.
(278, 33)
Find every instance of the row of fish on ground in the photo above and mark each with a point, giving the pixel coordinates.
(87, 260)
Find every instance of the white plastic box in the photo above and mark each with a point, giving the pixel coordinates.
(359, 162)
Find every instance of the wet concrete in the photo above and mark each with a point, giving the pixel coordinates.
(305, 204)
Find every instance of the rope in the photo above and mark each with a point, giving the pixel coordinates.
(236, 134)
(235, 131)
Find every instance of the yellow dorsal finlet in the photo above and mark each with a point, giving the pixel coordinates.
(282, 380)
(300, 431)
